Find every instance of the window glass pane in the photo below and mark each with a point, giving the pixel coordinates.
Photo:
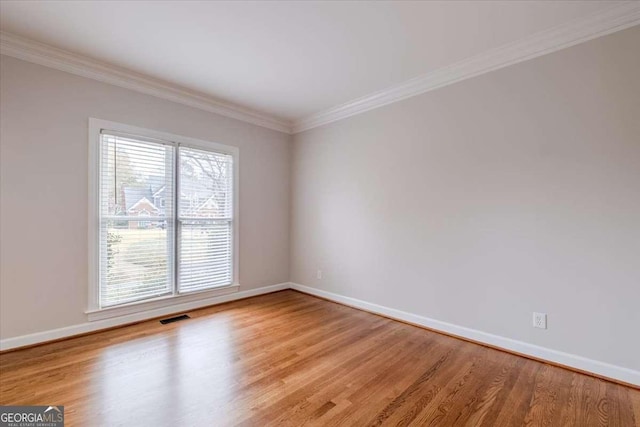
(136, 202)
(136, 177)
(205, 255)
(205, 184)
(135, 261)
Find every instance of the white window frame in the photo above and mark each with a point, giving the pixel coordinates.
(94, 311)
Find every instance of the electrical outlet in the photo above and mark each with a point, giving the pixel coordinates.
(319, 274)
(540, 320)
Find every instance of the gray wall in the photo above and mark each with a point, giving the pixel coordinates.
(43, 193)
(481, 202)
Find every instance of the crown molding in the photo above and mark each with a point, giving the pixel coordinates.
(604, 22)
(607, 21)
(49, 56)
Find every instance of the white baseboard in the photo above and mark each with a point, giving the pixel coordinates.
(571, 360)
(82, 328)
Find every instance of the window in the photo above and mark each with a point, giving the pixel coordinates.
(163, 215)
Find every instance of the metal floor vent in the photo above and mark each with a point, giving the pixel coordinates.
(174, 319)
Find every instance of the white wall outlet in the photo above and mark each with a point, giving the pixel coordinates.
(319, 275)
(540, 320)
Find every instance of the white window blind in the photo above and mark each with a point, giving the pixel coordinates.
(166, 219)
(205, 219)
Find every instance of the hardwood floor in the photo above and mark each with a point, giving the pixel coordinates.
(292, 359)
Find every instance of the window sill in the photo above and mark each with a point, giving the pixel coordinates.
(156, 303)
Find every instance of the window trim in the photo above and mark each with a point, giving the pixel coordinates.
(93, 304)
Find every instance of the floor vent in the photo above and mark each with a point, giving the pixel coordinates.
(174, 319)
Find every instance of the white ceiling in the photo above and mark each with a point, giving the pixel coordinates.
(286, 59)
